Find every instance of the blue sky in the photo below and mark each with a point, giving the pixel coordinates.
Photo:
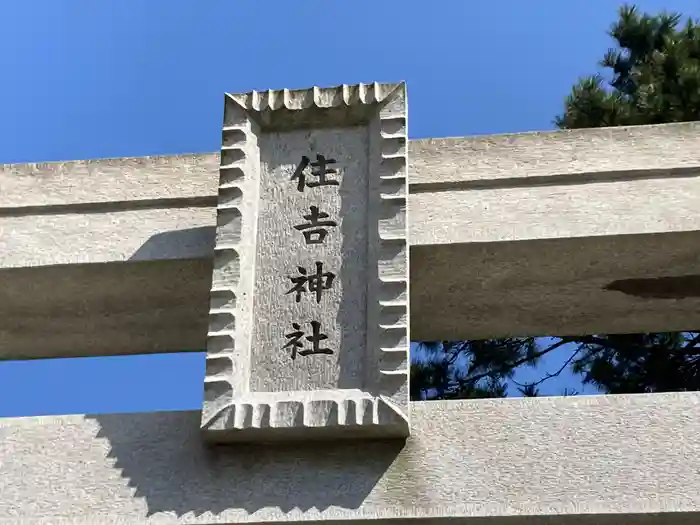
(88, 79)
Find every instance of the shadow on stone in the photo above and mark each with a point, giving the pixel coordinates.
(164, 460)
(190, 243)
(111, 308)
(673, 287)
(353, 353)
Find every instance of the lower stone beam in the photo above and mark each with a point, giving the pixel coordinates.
(627, 459)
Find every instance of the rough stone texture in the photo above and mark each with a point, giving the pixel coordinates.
(107, 237)
(282, 251)
(613, 459)
(83, 310)
(503, 188)
(552, 287)
(495, 160)
(556, 157)
(451, 215)
(257, 386)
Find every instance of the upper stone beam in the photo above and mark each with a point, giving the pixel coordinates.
(574, 196)
(481, 161)
(114, 210)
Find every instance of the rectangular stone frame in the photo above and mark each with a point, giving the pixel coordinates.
(230, 411)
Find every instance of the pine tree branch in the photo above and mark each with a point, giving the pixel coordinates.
(548, 375)
(509, 366)
(691, 343)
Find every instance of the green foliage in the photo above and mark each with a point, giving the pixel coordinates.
(654, 78)
(654, 70)
(468, 369)
(614, 364)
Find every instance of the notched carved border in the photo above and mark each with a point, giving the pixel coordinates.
(227, 358)
(281, 418)
(230, 411)
(301, 99)
(393, 263)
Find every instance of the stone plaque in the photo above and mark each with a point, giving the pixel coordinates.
(308, 332)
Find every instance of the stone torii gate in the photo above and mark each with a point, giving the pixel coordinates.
(286, 256)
